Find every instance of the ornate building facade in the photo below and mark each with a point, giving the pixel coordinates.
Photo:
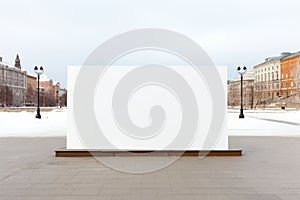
(290, 74)
(234, 90)
(52, 93)
(17, 88)
(267, 82)
(12, 84)
(31, 92)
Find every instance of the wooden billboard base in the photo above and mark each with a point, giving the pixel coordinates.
(115, 153)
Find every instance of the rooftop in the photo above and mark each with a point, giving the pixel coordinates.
(274, 58)
(249, 75)
(292, 55)
(4, 64)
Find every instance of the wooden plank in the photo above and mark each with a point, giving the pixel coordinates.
(111, 153)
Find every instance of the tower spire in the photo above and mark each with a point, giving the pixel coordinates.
(17, 62)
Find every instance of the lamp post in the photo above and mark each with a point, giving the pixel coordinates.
(38, 71)
(57, 99)
(241, 71)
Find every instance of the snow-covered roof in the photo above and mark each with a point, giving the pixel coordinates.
(249, 75)
(283, 55)
(3, 64)
(64, 87)
(292, 55)
(33, 75)
(44, 77)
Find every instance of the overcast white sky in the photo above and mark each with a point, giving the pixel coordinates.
(59, 33)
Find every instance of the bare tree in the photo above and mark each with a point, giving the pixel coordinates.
(63, 99)
(31, 95)
(2, 95)
(6, 95)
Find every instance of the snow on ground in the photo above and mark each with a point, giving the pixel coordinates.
(264, 123)
(20, 124)
(54, 123)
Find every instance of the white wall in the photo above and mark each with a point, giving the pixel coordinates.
(139, 107)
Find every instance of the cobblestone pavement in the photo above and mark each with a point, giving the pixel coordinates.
(269, 169)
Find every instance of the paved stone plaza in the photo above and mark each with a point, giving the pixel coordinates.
(269, 169)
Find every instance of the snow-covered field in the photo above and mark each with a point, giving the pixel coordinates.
(264, 123)
(54, 123)
(14, 124)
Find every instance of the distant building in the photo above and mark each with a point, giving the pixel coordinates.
(17, 88)
(12, 84)
(290, 74)
(234, 90)
(31, 92)
(52, 93)
(55, 93)
(46, 91)
(267, 83)
(62, 96)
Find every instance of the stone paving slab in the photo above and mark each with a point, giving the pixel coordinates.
(269, 169)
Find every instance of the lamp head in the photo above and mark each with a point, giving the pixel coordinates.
(241, 70)
(38, 70)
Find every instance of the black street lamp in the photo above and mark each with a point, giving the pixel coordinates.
(241, 71)
(57, 100)
(38, 71)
